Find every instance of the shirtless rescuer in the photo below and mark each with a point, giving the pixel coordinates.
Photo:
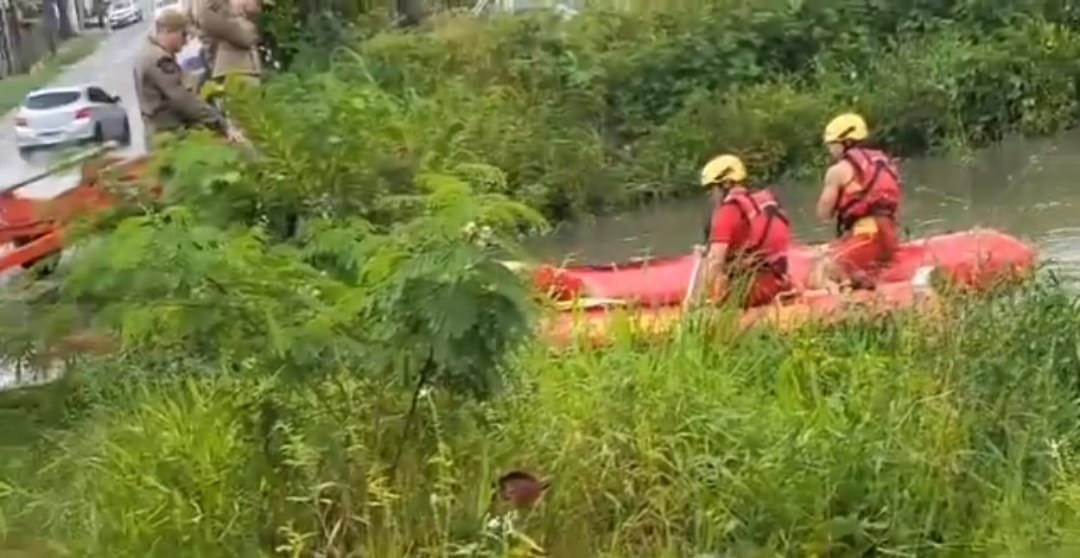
(862, 193)
(166, 105)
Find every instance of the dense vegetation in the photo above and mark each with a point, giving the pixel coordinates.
(613, 107)
(311, 350)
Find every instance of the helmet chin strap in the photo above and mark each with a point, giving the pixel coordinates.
(725, 187)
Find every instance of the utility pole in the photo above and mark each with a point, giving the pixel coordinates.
(8, 62)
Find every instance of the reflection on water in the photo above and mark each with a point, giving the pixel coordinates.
(1022, 187)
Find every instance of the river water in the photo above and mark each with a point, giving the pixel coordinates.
(1029, 188)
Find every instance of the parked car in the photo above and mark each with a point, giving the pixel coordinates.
(124, 12)
(58, 115)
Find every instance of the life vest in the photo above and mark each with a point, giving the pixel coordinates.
(769, 232)
(880, 193)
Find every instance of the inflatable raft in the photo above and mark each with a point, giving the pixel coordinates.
(646, 295)
(974, 258)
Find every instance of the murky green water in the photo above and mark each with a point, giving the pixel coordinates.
(1027, 188)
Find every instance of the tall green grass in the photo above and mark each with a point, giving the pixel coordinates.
(901, 437)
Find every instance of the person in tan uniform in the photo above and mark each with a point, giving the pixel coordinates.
(164, 101)
(232, 39)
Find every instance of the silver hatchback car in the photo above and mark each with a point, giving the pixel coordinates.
(58, 115)
(124, 12)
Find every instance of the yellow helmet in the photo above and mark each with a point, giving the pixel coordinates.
(722, 168)
(846, 127)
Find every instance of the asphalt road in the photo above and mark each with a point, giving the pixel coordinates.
(110, 66)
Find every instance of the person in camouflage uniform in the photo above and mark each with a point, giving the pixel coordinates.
(165, 103)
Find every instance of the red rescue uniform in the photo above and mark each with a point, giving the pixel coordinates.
(758, 236)
(866, 215)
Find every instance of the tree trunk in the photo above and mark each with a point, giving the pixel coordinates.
(65, 28)
(49, 23)
(80, 16)
(409, 12)
(7, 42)
(98, 11)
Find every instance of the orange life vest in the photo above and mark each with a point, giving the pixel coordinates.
(769, 234)
(880, 193)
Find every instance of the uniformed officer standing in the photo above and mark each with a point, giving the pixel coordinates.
(229, 26)
(165, 103)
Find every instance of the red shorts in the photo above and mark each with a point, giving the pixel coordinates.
(861, 256)
(762, 290)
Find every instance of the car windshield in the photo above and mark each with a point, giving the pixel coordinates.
(50, 100)
(117, 6)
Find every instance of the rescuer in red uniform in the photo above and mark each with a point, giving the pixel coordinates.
(861, 194)
(746, 238)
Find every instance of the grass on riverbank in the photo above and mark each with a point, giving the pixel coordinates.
(14, 88)
(953, 438)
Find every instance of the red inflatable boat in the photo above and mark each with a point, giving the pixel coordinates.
(600, 326)
(646, 296)
(974, 258)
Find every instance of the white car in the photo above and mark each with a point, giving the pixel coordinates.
(58, 115)
(124, 12)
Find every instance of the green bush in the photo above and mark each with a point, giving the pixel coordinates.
(945, 93)
(615, 107)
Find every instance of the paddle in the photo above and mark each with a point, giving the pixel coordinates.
(589, 302)
(691, 285)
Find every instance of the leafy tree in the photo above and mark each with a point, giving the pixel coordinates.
(412, 295)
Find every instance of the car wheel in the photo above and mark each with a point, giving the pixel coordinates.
(99, 133)
(125, 135)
